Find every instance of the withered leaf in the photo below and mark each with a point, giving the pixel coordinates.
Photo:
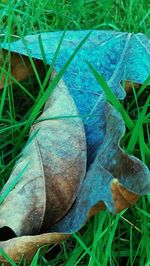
(20, 66)
(27, 246)
(56, 158)
(113, 179)
(116, 55)
(111, 172)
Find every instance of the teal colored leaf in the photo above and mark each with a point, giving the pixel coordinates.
(112, 177)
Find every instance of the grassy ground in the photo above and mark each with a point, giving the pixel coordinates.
(105, 240)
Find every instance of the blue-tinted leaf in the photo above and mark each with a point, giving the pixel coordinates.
(113, 178)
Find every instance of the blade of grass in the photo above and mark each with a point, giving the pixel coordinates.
(13, 184)
(98, 224)
(7, 257)
(50, 70)
(76, 253)
(35, 258)
(86, 248)
(142, 143)
(49, 90)
(140, 91)
(135, 132)
(8, 75)
(110, 239)
(42, 50)
(111, 97)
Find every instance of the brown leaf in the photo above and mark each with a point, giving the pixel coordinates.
(27, 246)
(128, 86)
(123, 198)
(55, 157)
(96, 208)
(20, 67)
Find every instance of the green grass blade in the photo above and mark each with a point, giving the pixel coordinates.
(42, 50)
(135, 132)
(86, 248)
(111, 97)
(50, 89)
(7, 257)
(13, 184)
(8, 74)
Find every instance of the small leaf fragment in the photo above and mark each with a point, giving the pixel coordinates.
(27, 246)
(19, 65)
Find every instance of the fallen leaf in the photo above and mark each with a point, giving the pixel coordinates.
(122, 197)
(113, 54)
(61, 202)
(56, 159)
(128, 86)
(110, 163)
(28, 245)
(20, 66)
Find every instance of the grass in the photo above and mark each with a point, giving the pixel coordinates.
(106, 239)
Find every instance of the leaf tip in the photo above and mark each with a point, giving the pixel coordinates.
(123, 198)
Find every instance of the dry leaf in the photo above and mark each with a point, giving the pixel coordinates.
(28, 245)
(56, 193)
(56, 161)
(20, 66)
